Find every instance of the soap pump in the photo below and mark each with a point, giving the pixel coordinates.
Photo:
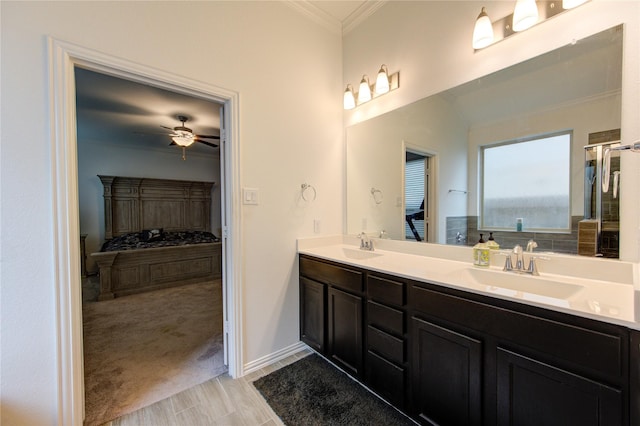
(481, 253)
(492, 243)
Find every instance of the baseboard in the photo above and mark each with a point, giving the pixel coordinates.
(273, 357)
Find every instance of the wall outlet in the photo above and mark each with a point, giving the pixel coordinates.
(316, 226)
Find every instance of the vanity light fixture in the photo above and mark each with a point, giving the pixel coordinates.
(385, 83)
(483, 31)
(349, 98)
(364, 90)
(526, 14)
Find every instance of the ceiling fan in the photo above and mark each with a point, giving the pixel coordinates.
(184, 136)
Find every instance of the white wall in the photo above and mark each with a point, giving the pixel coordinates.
(290, 132)
(103, 157)
(429, 42)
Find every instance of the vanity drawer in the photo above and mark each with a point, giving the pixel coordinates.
(586, 345)
(385, 344)
(385, 318)
(338, 276)
(386, 378)
(385, 290)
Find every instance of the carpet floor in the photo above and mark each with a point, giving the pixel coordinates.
(312, 392)
(146, 347)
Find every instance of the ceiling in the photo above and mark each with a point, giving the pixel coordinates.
(128, 113)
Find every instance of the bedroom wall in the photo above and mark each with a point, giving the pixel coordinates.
(287, 71)
(103, 157)
(429, 42)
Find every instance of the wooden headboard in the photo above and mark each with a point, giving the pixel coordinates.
(133, 204)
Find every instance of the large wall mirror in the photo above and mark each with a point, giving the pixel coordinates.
(445, 143)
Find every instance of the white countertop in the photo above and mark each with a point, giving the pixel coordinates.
(611, 301)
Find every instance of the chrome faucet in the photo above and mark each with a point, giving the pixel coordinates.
(532, 269)
(365, 242)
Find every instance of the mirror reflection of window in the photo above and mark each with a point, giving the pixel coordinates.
(416, 196)
(526, 184)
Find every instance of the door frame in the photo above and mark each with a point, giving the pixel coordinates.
(62, 59)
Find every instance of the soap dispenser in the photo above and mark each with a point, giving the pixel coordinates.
(481, 253)
(492, 243)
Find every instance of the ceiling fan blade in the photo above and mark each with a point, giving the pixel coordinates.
(168, 128)
(208, 136)
(207, 143)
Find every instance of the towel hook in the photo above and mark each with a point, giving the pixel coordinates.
(377, 195)
(303, 188)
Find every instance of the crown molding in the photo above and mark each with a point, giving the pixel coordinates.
(360, 14)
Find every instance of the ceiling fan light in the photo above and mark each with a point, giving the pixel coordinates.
(364, 93)
(525, 15)
(183, 138)
(382, 81)
(483, 31)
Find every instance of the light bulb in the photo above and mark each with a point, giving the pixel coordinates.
(525, 15)
(349, 100)
(364, 92)
(382, 81)
(483, 31)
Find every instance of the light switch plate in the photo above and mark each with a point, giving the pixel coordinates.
(250, 196)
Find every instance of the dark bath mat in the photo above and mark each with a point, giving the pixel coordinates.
(312, 392)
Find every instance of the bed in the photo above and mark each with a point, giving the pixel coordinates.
(157, 235)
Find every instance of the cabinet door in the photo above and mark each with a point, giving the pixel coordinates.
(446, 375)
(312, 313)
(533, 393)
(345, 330)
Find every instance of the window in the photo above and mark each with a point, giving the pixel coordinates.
(528, 180)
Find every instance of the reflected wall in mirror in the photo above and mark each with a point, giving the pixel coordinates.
(575, 89)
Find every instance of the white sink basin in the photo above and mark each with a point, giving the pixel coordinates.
(359, 254)
(521, 286)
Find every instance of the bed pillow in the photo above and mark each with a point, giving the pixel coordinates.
(151, 234)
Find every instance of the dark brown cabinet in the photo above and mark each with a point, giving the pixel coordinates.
(345, 330)
(533, 393)
(386, 358)
(331, 312)
(451, 357)
(446, 373)
(312, 305)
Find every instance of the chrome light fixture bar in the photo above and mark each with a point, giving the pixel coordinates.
(385, 83)
(527, 13)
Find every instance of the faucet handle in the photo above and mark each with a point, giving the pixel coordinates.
(533, 265)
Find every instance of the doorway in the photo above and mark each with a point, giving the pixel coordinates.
(163, 333)
(418, 196)
(64, 58)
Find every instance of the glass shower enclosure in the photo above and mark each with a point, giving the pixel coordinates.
(601, 199)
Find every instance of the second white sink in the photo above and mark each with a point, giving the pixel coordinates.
(522, 283)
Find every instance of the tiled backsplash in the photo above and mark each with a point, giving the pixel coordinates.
(463, 230)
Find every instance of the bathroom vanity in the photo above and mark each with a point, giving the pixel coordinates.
(448, 348)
